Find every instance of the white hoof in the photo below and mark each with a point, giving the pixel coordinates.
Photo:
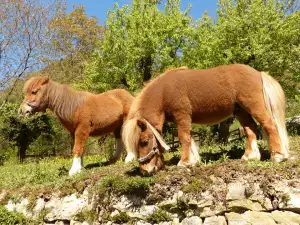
(76, 166)
(194, 157)
(187, 163)
(253, 156)
(130, 157)
(72, 171)
(279, 158)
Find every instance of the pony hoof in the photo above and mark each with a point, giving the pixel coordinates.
(251, 157)
(72, 172)
(186, 163)
(279, 158)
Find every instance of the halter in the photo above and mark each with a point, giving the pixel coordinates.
(155, 150)
(152, 153)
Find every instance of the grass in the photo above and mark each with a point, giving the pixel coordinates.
(8, 218)
(51, 175)
(158, 216)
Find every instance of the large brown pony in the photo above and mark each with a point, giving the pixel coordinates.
(208, 96)
(83, 114)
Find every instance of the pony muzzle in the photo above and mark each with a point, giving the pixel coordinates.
(26, 109)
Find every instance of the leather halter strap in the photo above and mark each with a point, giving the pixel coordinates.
(152, 153)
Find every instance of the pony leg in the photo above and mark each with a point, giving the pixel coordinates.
(260, 113)
(119, 150)
(130, 157)
(250, 129)
(81, 135)
(270, 128)
(189, 151)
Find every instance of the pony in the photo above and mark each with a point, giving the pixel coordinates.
(82, 113)
(207, 96)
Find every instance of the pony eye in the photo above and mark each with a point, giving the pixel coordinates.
(34, 92)
(144, 142)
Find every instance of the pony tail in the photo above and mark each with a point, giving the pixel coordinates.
(275, 103)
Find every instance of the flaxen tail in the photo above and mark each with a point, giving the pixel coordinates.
(275, 103)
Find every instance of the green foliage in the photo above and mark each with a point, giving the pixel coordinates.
(139, 41)
(142, 40)
(195, 185)
(89, 216)
(125, 185)
(9, 218)
(158, 216)
(121, 218)
(21, 131)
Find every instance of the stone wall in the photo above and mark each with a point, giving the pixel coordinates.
(236, 202)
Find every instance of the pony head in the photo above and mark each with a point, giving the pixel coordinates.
(144, 142)
(34, 96)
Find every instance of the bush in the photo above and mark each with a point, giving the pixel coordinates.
(9, 218)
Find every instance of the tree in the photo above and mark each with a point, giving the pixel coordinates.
(21, 132)
(255, 32)
(72, 39)
(140, 41)
(22, 35)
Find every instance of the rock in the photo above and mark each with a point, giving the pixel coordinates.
(142, 223)
(194, 220)
(250, 217)
(205, 203)
(264, 202)
(211, 211)
(165, 223)
(148, 210)
(176, 221)
(235, 191)
(114, 213)
(66, 208)
(22, 207)
(128, 201)
(244, 204)
(215, 220)
(61, 223)
(168, 204)
(73, 222)
(10, 206)
(285, 217)
(290, 201)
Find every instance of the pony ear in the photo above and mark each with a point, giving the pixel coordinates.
(45, 80)
(142, 124)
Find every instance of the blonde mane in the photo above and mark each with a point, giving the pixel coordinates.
(62, 99)
(130, 131)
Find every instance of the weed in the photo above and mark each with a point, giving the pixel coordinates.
(121, 218)
(89, 216)
(158, 216)
(9, 218)
(125, 185)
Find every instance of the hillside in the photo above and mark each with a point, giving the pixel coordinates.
(225, 190)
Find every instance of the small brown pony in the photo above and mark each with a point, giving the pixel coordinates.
(206, 97)
(83, 114)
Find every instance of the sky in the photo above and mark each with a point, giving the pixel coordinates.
(99, 8)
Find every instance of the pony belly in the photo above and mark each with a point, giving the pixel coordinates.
(211, 118)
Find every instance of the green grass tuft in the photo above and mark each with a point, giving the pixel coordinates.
(9, 218)
(125, 185)
(158, 216)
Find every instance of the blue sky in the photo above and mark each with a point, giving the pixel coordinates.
(99, 8)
